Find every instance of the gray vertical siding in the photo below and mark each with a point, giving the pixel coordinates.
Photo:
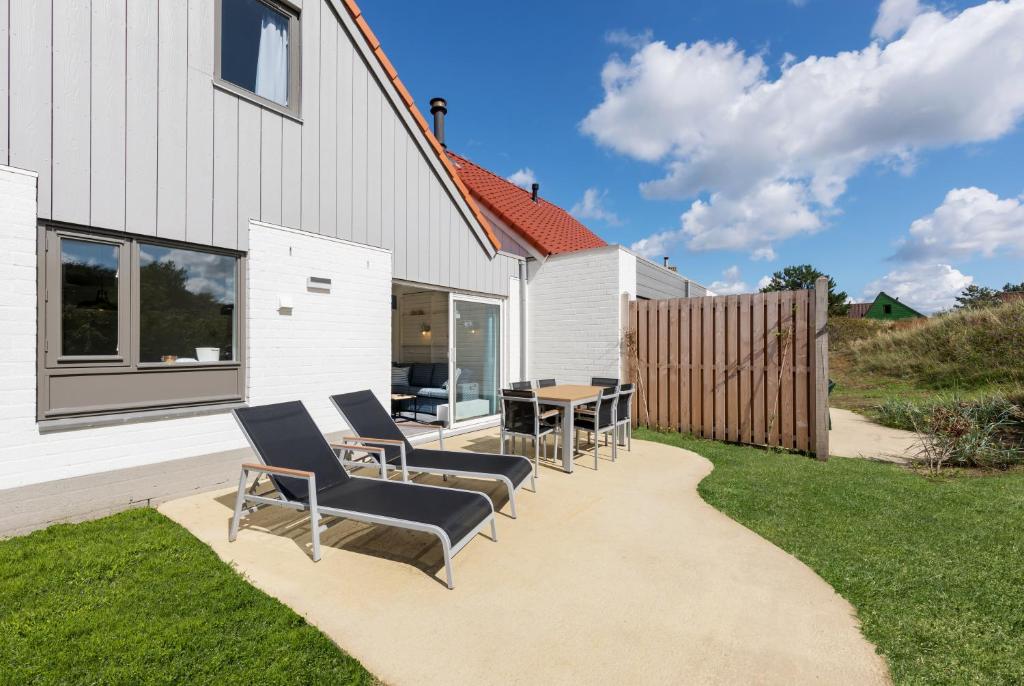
(114, 105)
(656, 282)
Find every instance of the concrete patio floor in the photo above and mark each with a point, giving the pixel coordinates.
(621, 575)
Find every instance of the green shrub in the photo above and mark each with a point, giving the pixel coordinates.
(843, 331)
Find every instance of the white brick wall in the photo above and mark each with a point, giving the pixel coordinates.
(330, 343)
(573, 305)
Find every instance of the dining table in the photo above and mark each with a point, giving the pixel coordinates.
(567, 397)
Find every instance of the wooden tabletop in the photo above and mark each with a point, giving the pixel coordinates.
(568, 392)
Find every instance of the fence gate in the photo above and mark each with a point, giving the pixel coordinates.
(747, 368)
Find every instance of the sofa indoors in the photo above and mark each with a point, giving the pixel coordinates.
(428, 382)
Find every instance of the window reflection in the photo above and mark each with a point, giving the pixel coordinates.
(186, 305)
(88, 275)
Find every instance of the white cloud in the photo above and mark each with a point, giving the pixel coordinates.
(754, 149)
(927, 287)
(591, 206)
(655, 245)
(970, 221)
(895, 16)
(634, 41)
(763, 282)
(524, 178)
(766, 254)
(730, 283)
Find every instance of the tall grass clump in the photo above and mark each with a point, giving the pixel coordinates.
(961, 350)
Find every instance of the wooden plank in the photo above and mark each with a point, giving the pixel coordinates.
(757, 387)
(141, 118)
(291, 173)
(786, 302)
(328, 118)
(359, 100)
(30, 69)
(745, 369)
(664, 333)
(71, 107)
(5, 103)
(771, 327)
(109, 33)
(732, 340)
(271, 167)
(652, 361)
(707, 335)
(696, 366)
(821, 368)
(311, 79)
(172, 102)
(720, 336)
(249, 124)
(225, 167)
(674, 389)
(684, 365)
(641, 364)
(343, 192)
(800, 376)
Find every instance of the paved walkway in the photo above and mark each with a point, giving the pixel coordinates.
(854, 435)
(619, 576)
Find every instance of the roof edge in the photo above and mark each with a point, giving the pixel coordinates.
(357, 17)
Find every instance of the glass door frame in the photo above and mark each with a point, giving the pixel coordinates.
(501, 363)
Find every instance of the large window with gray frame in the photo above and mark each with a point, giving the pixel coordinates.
(135, 323)
(257, 51)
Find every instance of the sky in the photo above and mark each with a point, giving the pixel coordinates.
(880, 142)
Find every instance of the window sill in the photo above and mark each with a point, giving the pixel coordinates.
(134, 417)
(181, 366)
(238, 91)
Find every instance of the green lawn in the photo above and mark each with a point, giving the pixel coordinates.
(135, 599)
(934, 568)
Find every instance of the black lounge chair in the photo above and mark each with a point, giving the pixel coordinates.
(374, 426)
(308, 476)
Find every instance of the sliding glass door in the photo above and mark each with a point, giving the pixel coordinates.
(476, 356)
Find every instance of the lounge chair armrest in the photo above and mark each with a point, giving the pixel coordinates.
(550, 413)
(280, 471)
(379, 441)
(354, 446)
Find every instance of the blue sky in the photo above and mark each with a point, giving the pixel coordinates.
(830, 163)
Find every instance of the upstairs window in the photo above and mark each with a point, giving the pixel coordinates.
(259, 49)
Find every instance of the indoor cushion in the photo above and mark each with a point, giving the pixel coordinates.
(439, 375)
(399, 376)
(433, 393)
(420, 374)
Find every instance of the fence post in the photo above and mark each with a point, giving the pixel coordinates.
(821, 368)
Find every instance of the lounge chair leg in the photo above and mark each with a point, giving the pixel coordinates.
(511, 500)
(314, 520)
(533, 483)
(536, 454)
(448, 563)
(494, 530)
(239, 501)
(615, 446)
(597, 448)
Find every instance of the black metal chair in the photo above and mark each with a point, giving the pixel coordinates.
(546, 383)
(521, 385)
(522, 416)
(601, 420)
(624, 414)
(374, 426)
(308, 476)
(604, 381)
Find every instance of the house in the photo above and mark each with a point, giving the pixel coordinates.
(884, 306)
(576, 281)
(227, 202)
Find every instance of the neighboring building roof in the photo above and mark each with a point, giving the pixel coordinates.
(897, 310)
(546, 226)
(1010, 296)
(858, 310)
(389, 69)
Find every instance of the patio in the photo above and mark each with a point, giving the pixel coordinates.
(623, 575)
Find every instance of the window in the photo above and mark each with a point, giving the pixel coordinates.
(131, 324)
(258, 49)
(887, 309)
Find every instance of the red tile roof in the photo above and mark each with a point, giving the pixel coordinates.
(403, 93)
(546, 226)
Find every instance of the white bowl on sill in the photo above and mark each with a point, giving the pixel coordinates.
(208, 354)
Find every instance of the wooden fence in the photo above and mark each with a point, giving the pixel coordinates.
(742, 368)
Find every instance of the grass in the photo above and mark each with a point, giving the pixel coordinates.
(135, 599)
(935, 568)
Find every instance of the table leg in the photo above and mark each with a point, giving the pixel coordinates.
(568, 436)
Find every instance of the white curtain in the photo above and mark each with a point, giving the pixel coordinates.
(272, 63)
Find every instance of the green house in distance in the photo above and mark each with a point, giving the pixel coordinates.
(884, 307)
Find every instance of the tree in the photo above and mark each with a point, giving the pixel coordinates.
(975, 296)
(1014, 287)
(802, 276)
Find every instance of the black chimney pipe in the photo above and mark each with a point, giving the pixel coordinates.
(534, 189)
(439, 108)
(665, 260)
